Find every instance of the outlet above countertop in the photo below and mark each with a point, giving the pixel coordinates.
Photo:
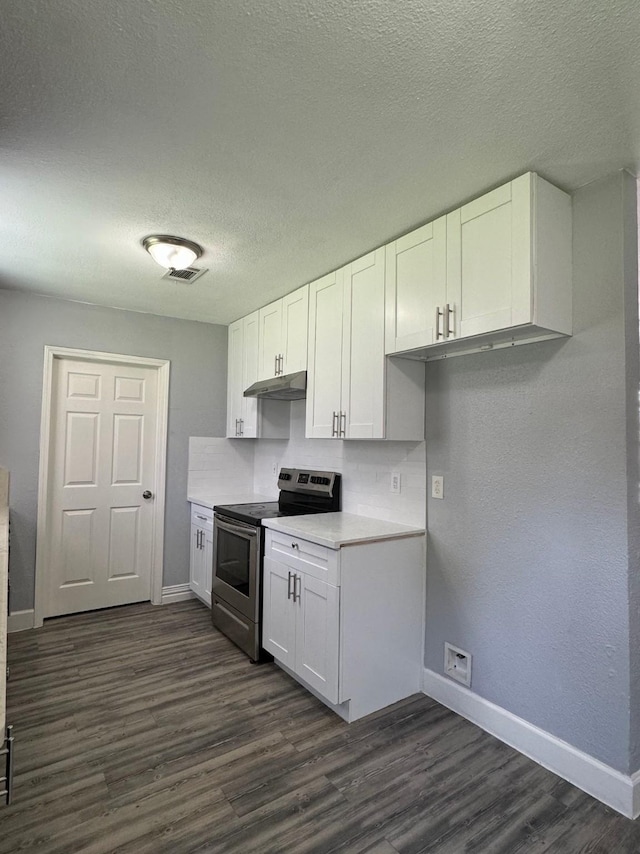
(335, 530)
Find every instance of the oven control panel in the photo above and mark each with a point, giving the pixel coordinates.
(302, 480)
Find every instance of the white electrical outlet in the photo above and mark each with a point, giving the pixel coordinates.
(437, 486)
(274, 468)
(457, 664)
(395, 482)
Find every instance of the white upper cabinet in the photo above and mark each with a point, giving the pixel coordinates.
(353, 392)
(247, 417)
(324, 379)
(416, 283)
(295, 325)
(283, 335)
(242, 412)
(363, 367)
(507, 275)
(270, 340)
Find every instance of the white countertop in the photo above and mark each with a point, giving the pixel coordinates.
(341, 529)
(208, 499)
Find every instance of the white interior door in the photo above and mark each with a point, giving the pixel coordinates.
(103, 445)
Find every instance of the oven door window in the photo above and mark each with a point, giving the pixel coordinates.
(234, 561)
(235, 565)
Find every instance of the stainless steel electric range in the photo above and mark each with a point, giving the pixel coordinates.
(238, 550)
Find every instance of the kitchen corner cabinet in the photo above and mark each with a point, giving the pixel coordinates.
(353, 392)
(247, 417)
(346, 622)
(506, 279)
(282, 345)
(201, 556)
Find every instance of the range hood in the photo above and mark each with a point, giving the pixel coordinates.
(286, 387)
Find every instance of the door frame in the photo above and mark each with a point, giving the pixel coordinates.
(162, 366)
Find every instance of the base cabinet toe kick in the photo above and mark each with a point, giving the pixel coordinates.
(346, 623)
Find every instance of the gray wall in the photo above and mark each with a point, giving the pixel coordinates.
(197, 406)
(528, 555)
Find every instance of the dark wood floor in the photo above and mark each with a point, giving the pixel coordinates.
(142, 729)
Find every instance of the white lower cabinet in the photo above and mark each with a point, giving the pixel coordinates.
(347, 622)
(201, 556)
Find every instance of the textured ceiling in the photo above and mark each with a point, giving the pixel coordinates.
(285, 136)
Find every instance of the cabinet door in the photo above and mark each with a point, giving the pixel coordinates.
(278, 612)
(270, 340)
(295, 324)
(196, 564)
(489, 276)
(317, 635)
(234, 379)
(208, 566)
(325, 355)
(416, 283)
(250, 327)
(363, 368)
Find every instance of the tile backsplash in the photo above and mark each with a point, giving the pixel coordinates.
(220, 466)
(366, 468)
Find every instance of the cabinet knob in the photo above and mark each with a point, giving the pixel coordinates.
(295, 545)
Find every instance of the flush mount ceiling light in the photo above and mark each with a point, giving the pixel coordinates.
(174, 253)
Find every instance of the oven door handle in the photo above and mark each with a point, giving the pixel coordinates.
(225, 524)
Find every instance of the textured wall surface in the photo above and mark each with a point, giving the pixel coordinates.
(197, 405)
(286, 137)
(528, 553)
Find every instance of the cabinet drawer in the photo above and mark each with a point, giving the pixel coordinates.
(202, 517)
(304, 556)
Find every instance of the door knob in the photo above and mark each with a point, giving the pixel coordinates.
(147, 494)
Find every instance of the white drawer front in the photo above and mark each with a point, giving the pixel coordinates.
(202, 517)
(303, 555)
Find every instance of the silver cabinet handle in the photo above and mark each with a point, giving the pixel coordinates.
(448, 312)
(241, 427)
(289, 591)
(334, 425)
(296, 579)
(275, 366)
(343, 424)
(237, 427)
(438, 316)
(202, 518)
(198, 532)
(295, 545)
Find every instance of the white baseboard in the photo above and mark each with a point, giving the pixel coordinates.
(176, 593)
(617, 790)
(19, 621)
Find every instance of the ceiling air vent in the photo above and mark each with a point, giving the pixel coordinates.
(188, 275)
